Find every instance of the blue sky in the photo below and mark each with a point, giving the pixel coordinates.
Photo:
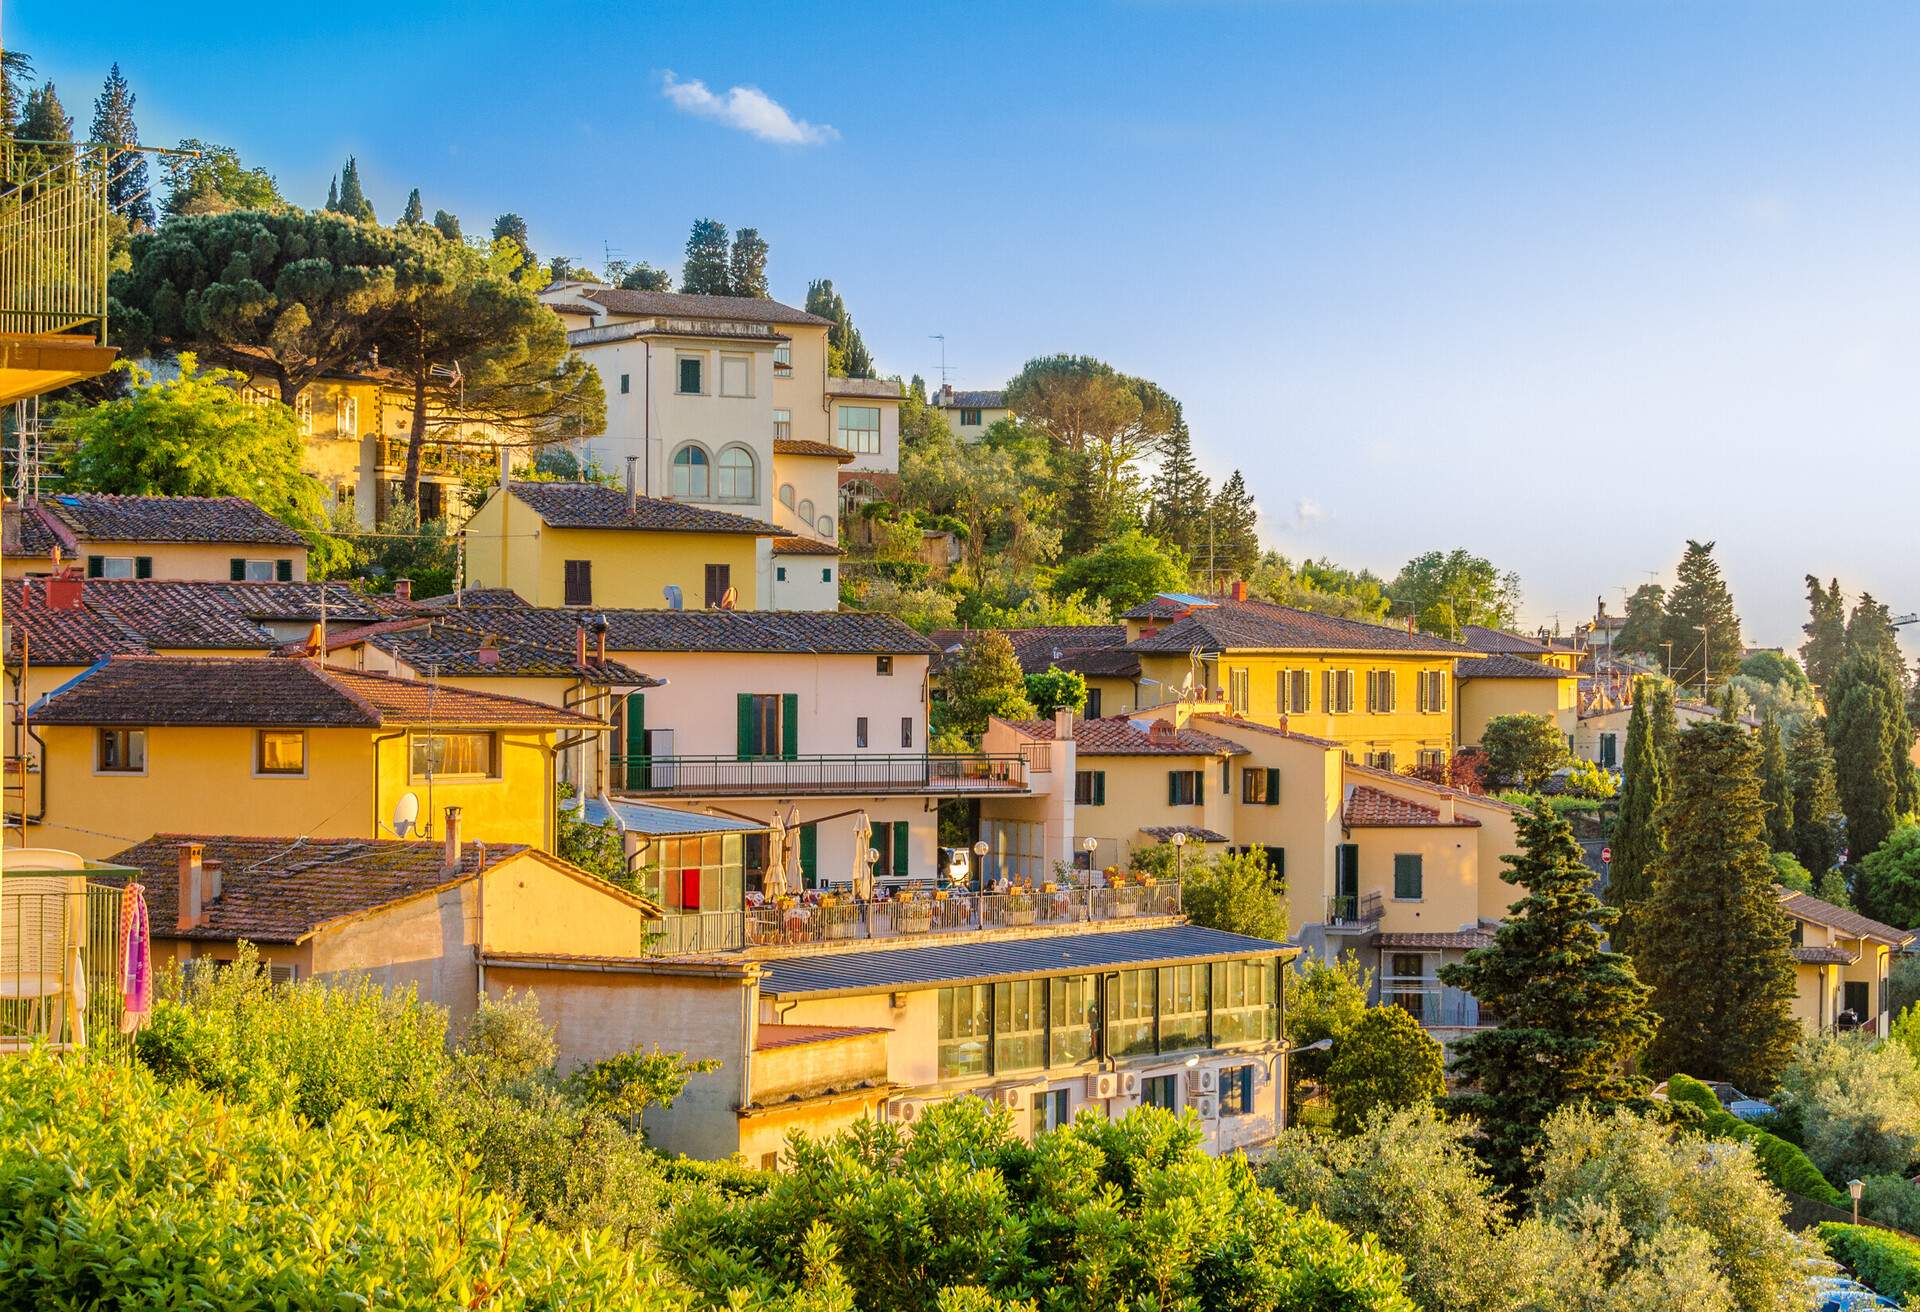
(1564, 283)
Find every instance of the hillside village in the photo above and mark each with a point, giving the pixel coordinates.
(802, 755)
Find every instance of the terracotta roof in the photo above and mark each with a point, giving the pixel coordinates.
(978, 400)
(1463, 938)
(1506, 667)
(791, 544)
(452, 647)
(594, 505)
(1236, 722)
(269, 691)
(827, 633)
(1115, 735)
(117, 616)
(1165, 833)
(1369, 808)
(688, 305)
(1481, 638)
(24, 531)
(792, 1036)
(99, 517)
(798, 446)
(1427, 786)
(283, 890)
(1850, 924)
(1828, 956)
(1262, 626)
(884, 389)
(472, 599)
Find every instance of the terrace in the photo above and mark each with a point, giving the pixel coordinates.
(854, 775)
(60, 955)
(53, 265)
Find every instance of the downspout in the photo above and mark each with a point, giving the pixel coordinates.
(552, 784)
(646, 413)
(377, 740)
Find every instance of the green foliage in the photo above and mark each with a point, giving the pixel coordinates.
(1383, 1062)
(1123, 572)
(1646, 621)
(747, 265)
(1181, 498)
(1888, 881)
(705, 270)
(1903, 990)
(1236, 892)
(1054, 689)
(1776, 785)
(1324, 1000)
(1867, 727)
(1789, 873)
(1713, 941)
(960, 1212)
(113, 122)
(1887, 1262)
(414, 213)
(1790, 1169)
(204, 178)
(1834, 888)
(627, 1083)
(597, 848)
(1859, 1103)
(982, 679)
(194, 1200)
(1772, 667)
(1816, 797)
(406, 548)
(1585, 779)
(1639, 832)
(1234, 528)
(1320, 586)
(1700, 600)
(847, 355)
(1826, 630)
(1892, 1199)
(1522, 750)
(1572, 1015)
(349, 199)
(1445, 591)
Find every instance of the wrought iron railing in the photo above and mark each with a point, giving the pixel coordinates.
(59, 960)
(682, 933)
(1433, 1004)
(440, 457)
(722, 776)
(848, 918)
(1355, 909)
(53, 237)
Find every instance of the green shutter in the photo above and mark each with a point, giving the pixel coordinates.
(900, 848)
(237, 570)
(1173, 788)
(1407, 875)
(1273, 786)
(96, 566)
(790, 726)
(283, 571)
(809, 855)
(636, 732)
(744, 742)
(1099, 787)
(143, 567)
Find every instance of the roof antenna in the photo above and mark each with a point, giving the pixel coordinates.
(942, 339)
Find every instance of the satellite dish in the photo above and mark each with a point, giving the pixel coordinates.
(406, 812)
(729, 598)
(672, 591)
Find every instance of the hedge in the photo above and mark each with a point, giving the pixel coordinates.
(1887, 1261)
(1790, 1169)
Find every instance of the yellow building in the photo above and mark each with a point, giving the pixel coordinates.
(1840, 964)
(583, 544)
(1487, 686)
(136, 537)
(971, 414)
(139, 745)
(1556, 652)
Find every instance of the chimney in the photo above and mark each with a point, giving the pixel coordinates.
(946, 394)
(210, 884)
(191, 914)
(1062, 724)
(450, 862)
(489, 653)
(633, 493)
(403, 589)
(599, 640)
(1409, 624)
(1239, 589)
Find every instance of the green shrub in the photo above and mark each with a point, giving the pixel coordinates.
(1790, 1169)
(1384, 1061)
(118, 1191)
(1888, 1262)
(1894, 1200)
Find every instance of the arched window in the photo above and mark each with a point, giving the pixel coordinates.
(786, 495)
(733, 478)
(690, 472)
(805, 511)
(826, 526)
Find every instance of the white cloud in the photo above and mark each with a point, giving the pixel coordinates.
(749, 109)
(1307, 512)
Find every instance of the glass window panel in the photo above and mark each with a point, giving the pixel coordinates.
(1183, 1007)
(1131, 1028)
(1072, 1014)
(1020, 1026)
(859, 428)
(734, 474)
(963, 1032)
(690, 472)
(453, 753)
(283, 751)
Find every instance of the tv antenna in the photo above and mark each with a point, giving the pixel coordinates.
(942, 339)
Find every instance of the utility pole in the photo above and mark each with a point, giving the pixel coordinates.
(1705, 656)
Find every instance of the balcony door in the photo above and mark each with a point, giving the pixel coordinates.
(1346, 879)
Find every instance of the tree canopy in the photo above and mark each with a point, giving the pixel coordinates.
(1522, 750)
(205, 178)
(1701, 622)
(1123, 572)
(1446, 591)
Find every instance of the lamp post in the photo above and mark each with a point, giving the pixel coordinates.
(1179, 842)
(1856, 1188)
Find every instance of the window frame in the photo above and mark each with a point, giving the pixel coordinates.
(414, 741)
(580, 572)
(681, 359)
(745, 363)
(861, 445)
(260, 768)
(859, 731)
(1259, 785)
(1190, 791)
(721, 469)
(1336, 692)
(782, 426)
(712, 595)
(704, 464)
(1237, 1091)
(125, 732)
(783, 359)
(979, 1002)
(1418, 871)
(969, 422)
(1089, 787)
(1293, 692)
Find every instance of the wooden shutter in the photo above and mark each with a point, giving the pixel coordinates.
(790, 726)
(237, 570)
(636, 745)
(1099, 787)
(1173, 788)
(809, 854)
(1273, 786)
(143, 567)
(96, 566)
(743, 742)
(1326, 691)
(900, 848)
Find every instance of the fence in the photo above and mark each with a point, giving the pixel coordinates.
(851, 919)
(722, 776)
(1354, 909)
(59, 961)
(53, 237)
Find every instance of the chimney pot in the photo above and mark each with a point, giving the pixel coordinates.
(403, 589)
(210, 882)
(633, 493)
(189, 913)
(450, 861)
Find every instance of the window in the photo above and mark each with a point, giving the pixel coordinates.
(969, 419)
(1016, 849)
(1260, 787)
(1239, 691)
(280, 751)
(1408, 877)
(452, 753)
(736, 375)
(123, 751)
(1183, 787)
(254, 571)
(805, 510)
(733, 475)
(1244, 1008)
(906, 731)
(1609, 750)
(1236, 1091)
(1053, 1110)
(578, 582)
(1019, 1026)
(690, 472)
(859, 428)
(783, 429)
(1162, 1091)
(779, 573)
(766, 725)
(1092, 710)
(1090, 788)
(1336, 693)
(1381, 761)
(1226, 777)
(692, 375)
(303, 412)
(860, 731)
(1183, 1007)
(1291, 691)
(782, 364)
(346, 416)
(1380, 691)
(1430, 691)
(1073, 1014)
(826, 575)
(883, 666)
(719, 581)
(118, 567)
(1130, 1027)
(625, 384)
(1433, 756)
(966, 1015)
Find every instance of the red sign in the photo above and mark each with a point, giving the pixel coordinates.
(1606, 856)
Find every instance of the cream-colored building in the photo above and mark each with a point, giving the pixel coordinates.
(1841, 960)
(866, 423)
(142, 537)
(971, 414)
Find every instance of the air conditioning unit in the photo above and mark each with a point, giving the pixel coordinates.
(1014, 1096)
(1203, 1080)
(1130, 1084)
(1103, 1084)
(1205, 1107)
(905, 1110)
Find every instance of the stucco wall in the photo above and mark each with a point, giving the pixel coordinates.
(1482, 699)
(811, 582)
(1449, 897)
(173, 560)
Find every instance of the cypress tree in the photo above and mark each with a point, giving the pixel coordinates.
(1826, 630)
(1181, 496)
(1638, 837)
(1666, 725)
(414, 214)
(1816, 800)
(127, 178)
(847, 355)
(1870, 632)
(747, 267)
(333, 195)
(1573, 1015)
(353, 201)
(1861, 728)
(1700, 599)
(705, 270)
(1236, 527)
(1776, 789)
(1713, 941)
(447, 224)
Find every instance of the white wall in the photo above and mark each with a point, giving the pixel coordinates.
(887, 459)
(698, 703)
(804, 588)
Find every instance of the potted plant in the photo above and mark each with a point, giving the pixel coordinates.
(1020, 907)
(912, 915)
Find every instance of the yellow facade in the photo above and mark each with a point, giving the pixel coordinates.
(1136, 791)
(508, 546)
(175, 560)
(1823, 989)
(1481, 699)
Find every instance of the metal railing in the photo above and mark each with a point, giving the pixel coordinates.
(59, 960)
(1355, 909)
(684, 932)
(721, 776)
(849, 918)
(53, 237)
(1433, 1004)
(439, 457)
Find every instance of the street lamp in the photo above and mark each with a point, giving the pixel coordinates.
(1856, 1188)
(980, 859)
(1179, 841)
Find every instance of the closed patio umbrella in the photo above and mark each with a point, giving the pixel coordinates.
(774, 882)
(862, 868)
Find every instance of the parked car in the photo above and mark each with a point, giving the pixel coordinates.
(1852, 1300)
(1736, 1102)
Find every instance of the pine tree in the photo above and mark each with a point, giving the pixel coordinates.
(44, 119)
(1573, 1015)
(352, 201)
(1645, 625)
(1776, 788)
(1826, 630)
(414, 214)
(1181, 496)
(447, 224)
(1816, 800)
(705, 270)
(1712, 939)
(1861, 728)
(846, 353)
(127, 178)
(747, 270)
(1236, 528)
(1639, 836)
(16, 70)
(1700, 600)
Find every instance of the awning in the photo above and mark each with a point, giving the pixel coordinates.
(662, 821)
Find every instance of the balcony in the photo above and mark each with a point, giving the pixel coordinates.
(847, 919)
(851, 776)
(59, 960)
(440, 458)
(53, 266)
(1355, 911)
(1433, 1004)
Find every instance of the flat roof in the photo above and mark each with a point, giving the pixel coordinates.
(663, 821)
